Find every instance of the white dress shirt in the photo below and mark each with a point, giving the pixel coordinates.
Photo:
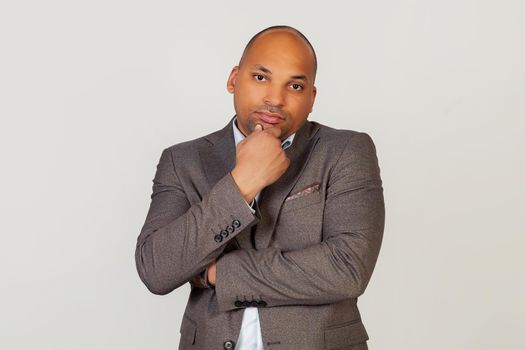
(250, 337)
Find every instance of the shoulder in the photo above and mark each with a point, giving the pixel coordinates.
(190, 148)
(350, 153)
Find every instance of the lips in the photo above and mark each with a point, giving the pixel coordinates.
(270, 118)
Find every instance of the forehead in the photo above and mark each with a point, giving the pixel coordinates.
(280, 51)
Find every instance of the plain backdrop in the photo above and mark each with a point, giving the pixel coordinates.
(91, 92)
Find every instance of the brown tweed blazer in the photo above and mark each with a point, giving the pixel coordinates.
(311, 254)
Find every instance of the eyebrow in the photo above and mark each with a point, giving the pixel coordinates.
(266, 70)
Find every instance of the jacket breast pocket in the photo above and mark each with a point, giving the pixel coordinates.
(300, 222)
(188, 332)
(302, 201)
(345, 334)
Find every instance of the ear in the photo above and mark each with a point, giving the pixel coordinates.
(314, 93)
(230, 84)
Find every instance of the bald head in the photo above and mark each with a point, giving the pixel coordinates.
(281, 32)
(273, 85)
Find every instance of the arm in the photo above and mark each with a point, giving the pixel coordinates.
(178, 240)
(340, 266)
(206, 279)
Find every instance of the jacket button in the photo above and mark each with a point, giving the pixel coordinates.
(236, 223)
(218, 238)
(230, 228)
(238, 303)
(224, 233)
(228, 345)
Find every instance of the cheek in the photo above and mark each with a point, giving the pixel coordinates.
(246, 98)
(299, 111)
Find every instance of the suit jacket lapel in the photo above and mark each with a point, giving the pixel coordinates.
(218, 159)
(272, 197)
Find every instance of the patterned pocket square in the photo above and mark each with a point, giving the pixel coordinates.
(310, 189)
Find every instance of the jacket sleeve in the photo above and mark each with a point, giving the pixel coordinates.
(337, 268)
(179, 240)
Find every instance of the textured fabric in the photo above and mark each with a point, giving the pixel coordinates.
(250, 337)
(311, 256)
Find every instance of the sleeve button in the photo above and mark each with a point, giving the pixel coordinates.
(236, 223)
(228, 345)
(218, 238)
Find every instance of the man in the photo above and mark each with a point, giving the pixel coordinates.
(274, 220)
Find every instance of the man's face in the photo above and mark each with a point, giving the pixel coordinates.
(274, 84)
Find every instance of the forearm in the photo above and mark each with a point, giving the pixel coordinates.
(336, 269)
(170, 253)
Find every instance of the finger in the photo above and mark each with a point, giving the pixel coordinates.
(276, 132)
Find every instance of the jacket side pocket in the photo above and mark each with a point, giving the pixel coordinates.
(345, 334)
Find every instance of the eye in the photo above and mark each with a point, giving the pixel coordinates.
(297, 87)
(259, 77)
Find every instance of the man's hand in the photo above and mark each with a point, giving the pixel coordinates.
(260, 161)
(212, 272)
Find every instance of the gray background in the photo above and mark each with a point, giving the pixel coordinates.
(92, 91)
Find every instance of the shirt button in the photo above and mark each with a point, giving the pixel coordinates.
(228, 345)
(236, 223)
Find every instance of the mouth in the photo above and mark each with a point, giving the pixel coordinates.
(269, 118)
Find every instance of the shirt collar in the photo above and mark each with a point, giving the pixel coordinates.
(238, 136)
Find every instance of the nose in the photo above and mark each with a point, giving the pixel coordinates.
(274, 96)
